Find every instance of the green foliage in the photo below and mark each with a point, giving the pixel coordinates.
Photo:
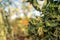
(50, 23)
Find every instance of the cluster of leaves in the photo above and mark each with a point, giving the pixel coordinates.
(49, 27)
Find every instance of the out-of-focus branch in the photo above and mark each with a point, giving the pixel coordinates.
(35, 4)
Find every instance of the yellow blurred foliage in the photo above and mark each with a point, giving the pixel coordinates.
(40, 31)
(0, 0)
(29, 6)
(23, 0)
(23, 29)
(12, 9)
(17, 9)
(45, 2)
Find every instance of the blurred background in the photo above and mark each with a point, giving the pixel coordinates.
(29, 20)
(14, 18)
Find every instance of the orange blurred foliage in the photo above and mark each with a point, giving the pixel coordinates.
(24, 22)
